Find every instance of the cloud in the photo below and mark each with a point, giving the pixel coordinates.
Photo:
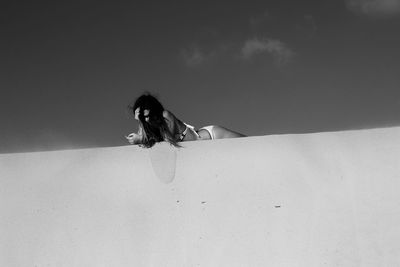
(375, 8)
(280, 52)
(193, 56)
(197, 55)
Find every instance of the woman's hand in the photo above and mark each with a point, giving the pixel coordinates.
(137, 111)
(146, 113)
(133, 138)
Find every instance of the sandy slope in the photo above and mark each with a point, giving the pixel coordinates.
(328, 199)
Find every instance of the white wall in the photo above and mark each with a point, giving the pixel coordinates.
(329, 199)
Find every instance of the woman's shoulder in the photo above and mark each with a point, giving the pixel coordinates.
(170, 119)
(168, 115)
(173, 122)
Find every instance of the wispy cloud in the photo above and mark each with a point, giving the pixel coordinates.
(375, 8)
(196, 54)
(280, 52)
(205, 51)
(193, 56)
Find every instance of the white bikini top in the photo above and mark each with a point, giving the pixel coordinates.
(183, 134)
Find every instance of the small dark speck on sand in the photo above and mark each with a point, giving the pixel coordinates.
(277, 207)
(177, 201)
(203, 202)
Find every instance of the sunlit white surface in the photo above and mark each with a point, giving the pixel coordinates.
(325, 199)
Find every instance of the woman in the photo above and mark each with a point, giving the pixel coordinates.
(157, 124)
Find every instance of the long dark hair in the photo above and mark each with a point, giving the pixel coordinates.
(154, 126)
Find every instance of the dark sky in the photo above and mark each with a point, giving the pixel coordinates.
(68, 70)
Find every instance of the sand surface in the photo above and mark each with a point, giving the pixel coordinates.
(325, 199)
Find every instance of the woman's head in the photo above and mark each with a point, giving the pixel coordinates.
(149, 112)
(148, 108)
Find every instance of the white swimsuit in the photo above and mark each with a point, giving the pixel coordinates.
(209, 129)
(188, 128)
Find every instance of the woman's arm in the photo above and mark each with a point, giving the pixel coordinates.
(169, 119)
(174, 124)
(135, 138)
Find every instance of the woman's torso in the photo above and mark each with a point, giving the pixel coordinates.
(180, 130)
